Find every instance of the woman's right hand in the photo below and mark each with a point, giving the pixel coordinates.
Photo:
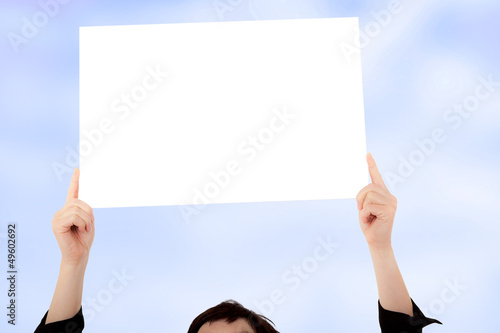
(73, 226)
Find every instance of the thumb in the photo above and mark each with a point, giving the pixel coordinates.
(74, 185)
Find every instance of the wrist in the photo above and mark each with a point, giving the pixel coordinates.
(380, 249)
(72, 272)
(74, 264)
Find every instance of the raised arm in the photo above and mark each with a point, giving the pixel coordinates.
(377, 208)
(73, 227)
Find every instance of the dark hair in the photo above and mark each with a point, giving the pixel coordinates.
(230, 311)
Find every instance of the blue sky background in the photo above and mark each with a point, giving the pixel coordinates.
(430, 57)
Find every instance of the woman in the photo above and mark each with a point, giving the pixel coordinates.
(73, 227)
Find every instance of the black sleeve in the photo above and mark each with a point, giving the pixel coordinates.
(71, 325)
(397, 322)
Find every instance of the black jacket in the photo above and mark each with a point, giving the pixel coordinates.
(390, 322)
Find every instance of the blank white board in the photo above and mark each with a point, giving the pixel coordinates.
(220, 112)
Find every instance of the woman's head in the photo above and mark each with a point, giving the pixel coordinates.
(231, 317)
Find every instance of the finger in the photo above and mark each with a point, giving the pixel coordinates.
(360, 197)
(74, 185)
(374, 173)
(375, 198)
(78, 218)
(82, 216)
(87, 218)
(80, 223)
(365, 214)
(83, 205)
(73, 220)
(370, 212)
